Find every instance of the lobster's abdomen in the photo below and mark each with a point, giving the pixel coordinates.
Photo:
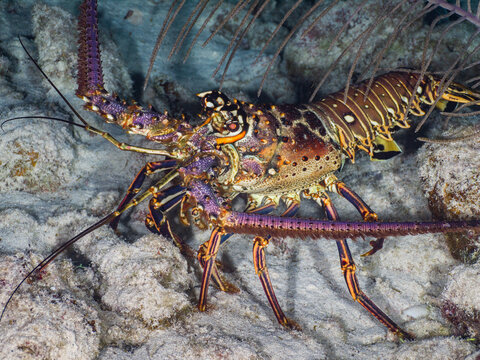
(366, 120)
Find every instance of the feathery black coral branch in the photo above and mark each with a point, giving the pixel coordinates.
(313, 13)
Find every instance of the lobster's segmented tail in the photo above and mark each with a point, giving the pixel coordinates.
(370, 114)
(90, 76)
(262, 225)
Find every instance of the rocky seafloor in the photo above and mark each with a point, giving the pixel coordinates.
(131, 294)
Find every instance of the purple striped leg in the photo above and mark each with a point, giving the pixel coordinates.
(348, 268)
(211, 268)
(261, 270)
(218, 279)
(202, 256)
(368, 214)
(212, 245)
(156, 221)
(135, 186)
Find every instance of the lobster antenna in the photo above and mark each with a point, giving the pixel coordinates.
(86, 126)
(37, 269)
(52, 84)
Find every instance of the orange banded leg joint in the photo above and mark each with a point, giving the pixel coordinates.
(261, 270)
(260, 264)
(348, 269)
(135, 186)
(158, 223)
(212, 246)
(343, 190)
(328, 207)
(367, 214)
(219, 281)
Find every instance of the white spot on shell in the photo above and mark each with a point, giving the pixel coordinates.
(272, 171)
(349, 119)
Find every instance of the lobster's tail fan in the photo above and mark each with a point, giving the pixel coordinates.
(90, 76)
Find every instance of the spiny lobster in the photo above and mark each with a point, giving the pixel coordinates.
(271, 153)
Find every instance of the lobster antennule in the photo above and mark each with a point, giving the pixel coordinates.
(277, 226)
(90, 75)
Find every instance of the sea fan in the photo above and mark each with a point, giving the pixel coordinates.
(300, 19)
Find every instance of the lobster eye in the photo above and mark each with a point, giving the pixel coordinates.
(233, 127)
